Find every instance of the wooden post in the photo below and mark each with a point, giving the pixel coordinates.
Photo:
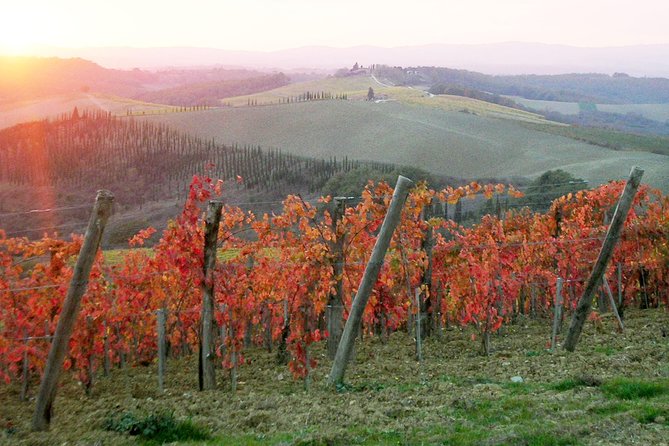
(425, 308)
(533, 303)
(612, 236)
(335, 308)
(161, 322)
(369, 277)
(419, 349)
(439, 327)
(91, 355)
(621, 301)
(223, 332)
(233, 355)
(68, 316)
(607, 288)
(558, 312)
(25, 371)
(106, 360)
(207, 326)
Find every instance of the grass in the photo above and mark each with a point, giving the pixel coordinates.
(355, 87)
(155, 428)
(607, 138)
(116, 256)
(652, 414)
(633, 389)
(573, 383)
(656, 112)
(455, 397)
(441, 141)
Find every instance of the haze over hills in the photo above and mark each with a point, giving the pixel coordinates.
(498, 58)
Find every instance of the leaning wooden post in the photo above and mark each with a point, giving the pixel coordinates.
(161, 324)
(368, 280)
(558, 312)
(612, 236)
(68, 315)
(207, 349)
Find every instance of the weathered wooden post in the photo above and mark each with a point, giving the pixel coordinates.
(621, 301)
(207, 350)
(161, 322)
(557, 318)
(369, 277)
(106, 360)
(419, 347)
(335, 308)
(612, 236)
(425, 309)
(26, 367)
(68, 315)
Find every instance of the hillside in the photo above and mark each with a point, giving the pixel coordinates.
(656, 112)
(55, 106)
(25, 78)
(208, 93)
(62, 162)
(35, 78)
(482, 140)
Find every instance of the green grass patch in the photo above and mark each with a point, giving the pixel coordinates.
(117, 256)
(533, 353)
(539, 438)
(652, 414)
(156, 428)
(579, 381)
(608, 138)
(606, 350)
(633, 389)
(610, 408)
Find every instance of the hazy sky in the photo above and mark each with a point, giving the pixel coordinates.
(278, 24)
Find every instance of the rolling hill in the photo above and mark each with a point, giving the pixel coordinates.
(55, 106)
(445, 135)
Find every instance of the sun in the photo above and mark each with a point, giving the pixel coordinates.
(21, 31)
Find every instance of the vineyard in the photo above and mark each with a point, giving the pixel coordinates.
(308, 260)
(286, 281)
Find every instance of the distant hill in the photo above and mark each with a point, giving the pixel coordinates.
(30, 78)
(619, 88)
(24, 78)
(210, 93)
(497, 58)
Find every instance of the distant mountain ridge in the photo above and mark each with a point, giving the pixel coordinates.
(28, 78)
(497, 58)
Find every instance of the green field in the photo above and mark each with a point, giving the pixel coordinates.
(356, 88)
(448, 142)
(656, 112)
(566, 108)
